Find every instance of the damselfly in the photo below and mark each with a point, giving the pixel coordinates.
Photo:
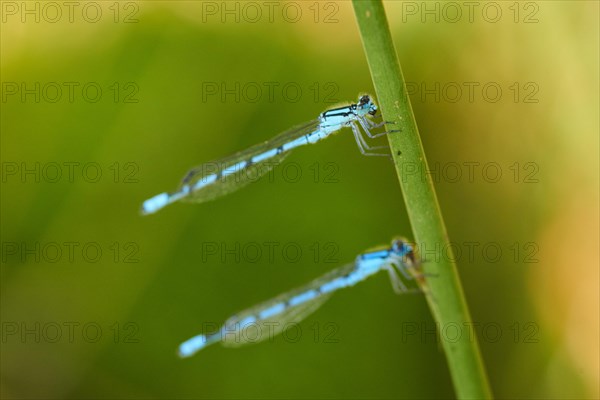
(215, 179)
(271, 317)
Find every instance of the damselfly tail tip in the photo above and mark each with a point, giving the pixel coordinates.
(192, 346)
(155, 203)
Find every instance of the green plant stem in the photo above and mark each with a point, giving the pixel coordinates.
(442, 287)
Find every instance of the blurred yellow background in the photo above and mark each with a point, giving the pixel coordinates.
(105, 104)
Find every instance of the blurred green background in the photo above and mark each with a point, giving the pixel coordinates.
(77, 324)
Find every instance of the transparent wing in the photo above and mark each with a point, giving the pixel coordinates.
(237, 331)
(246, 173)
(262, 330)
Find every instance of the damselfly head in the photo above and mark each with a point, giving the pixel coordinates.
(402, 247)
(366, 105)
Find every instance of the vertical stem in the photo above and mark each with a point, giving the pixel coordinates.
(443, 289)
